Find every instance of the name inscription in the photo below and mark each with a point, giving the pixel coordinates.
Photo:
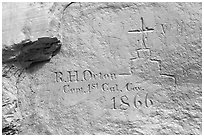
(83, 82)
(86, 75)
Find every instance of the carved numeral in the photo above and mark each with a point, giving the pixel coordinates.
(148, 100)
(124, 104)
(123, 100)
(113, 102)
(137, 102)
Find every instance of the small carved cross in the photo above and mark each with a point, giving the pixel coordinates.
(142, 31)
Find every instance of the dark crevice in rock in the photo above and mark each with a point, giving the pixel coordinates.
(27, 54)
(10, 130)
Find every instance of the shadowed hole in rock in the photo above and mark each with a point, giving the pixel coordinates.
(9, 130)
(28, 54)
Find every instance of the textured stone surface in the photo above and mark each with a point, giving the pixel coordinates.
(123, 68)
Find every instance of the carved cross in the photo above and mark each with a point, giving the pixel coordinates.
(142, 31)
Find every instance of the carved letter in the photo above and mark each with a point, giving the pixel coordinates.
(105, 87)
(113, 76)
(128, 86)
(58, 76)
(87, 75)
(65, 87)
(73, 77)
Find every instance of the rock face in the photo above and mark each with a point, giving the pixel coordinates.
(26, 54)
(102, 68)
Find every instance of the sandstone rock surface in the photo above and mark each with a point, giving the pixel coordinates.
(102, 68)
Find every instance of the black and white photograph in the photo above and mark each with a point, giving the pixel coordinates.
(101, 68)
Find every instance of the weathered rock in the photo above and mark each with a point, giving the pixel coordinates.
(27, 53)
(122, 68)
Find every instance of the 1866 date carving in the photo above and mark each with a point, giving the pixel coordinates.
(137, 102)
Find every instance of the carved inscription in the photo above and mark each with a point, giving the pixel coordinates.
(87, 81)
(142, 31)
(126, 103)
(86, 75)
(70, 89)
